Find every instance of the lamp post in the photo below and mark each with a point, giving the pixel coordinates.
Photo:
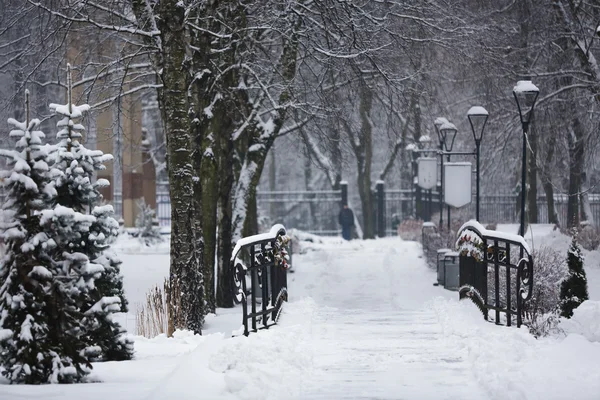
(526, 94)
(477, 118)
(448, 131)
(439, 121)
(413, 150)
(425, 142)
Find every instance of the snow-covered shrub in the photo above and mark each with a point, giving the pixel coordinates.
(410, 229)
(589, 237)
(40, 319)
(148, 230)
(573, 290)
(585, 321)
(433, 240)
(541, 311)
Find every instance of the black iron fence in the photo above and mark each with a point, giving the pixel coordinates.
(259, 264)
(314, 211)
(317, 211)
(496, 272)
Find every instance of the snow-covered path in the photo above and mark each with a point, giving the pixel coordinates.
(363, 322)
(371, 334)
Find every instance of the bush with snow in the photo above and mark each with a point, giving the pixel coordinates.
(146, 223)
(573, 290)
(541, 311)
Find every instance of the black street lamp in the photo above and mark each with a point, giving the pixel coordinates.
(425, 142)
(439, 121)
(477, 118)
(448, 132)
(526, 94)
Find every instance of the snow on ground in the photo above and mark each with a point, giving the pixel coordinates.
(363, 322)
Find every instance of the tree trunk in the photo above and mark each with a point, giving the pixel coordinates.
(576, 155)
(586, 208)
(365, 161)
(187, 248)
(547, 180)
(532, 172)
(273, 183)
(209, 197)
(224, 239)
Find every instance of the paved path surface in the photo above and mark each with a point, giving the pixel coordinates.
(373, 335)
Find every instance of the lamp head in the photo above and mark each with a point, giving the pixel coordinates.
(448, 131)
(477, 118)
(526, 93)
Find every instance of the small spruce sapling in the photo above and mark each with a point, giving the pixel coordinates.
(573, 290)
(147, 231)
(39, 319)
(77, 190)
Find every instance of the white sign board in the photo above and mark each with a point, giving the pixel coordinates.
(427, 172)
(457, 184)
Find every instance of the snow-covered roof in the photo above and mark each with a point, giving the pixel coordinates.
(525, 86)
(477, 110)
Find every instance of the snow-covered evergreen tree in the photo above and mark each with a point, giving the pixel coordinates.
(573, 290)
(40, 322)
(148, 232)
(77, 190)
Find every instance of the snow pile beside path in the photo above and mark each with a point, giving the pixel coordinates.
(182, 342)
(511, 364)
(253, 367)
(585, 321)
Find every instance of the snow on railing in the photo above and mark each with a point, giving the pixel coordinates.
(483, 254)
(264, 260)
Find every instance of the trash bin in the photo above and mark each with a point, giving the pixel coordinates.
(440, 265)
(451, 271)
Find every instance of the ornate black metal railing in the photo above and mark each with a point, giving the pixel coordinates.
(259, 264)
(496, 272)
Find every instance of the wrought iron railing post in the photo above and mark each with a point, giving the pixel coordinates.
(508, 292)
(380, 186)
(267, 268)
(253, 280)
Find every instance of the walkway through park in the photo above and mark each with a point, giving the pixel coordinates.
(373, 333)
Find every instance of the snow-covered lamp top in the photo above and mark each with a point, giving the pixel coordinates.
(525, 86)
(447, 126)
(477, 110)
(440, 120)
(477, 118)
(411, 147)
(425, 139)
(526, 94)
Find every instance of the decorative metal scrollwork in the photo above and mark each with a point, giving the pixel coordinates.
(239, 274)
(525, 279)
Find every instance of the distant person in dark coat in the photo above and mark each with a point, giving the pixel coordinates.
(346, 219)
